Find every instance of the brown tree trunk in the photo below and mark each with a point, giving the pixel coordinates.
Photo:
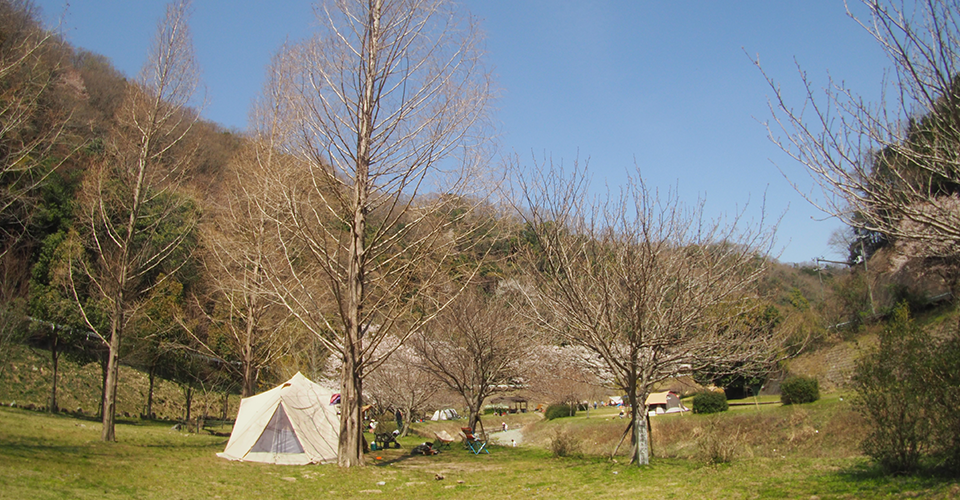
(476, 407)
(189, 401)
(640, 439)
(226, 405)
(110, 383)
(407, 419)
(104, 362)
(350, 450)
(152, 374)
(54, 358)
(351, 430)
(474, 418)
(249, 380)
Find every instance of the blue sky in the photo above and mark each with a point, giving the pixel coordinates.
(666, 86)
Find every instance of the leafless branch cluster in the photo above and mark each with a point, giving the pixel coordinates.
(567, 374)
(401, 383)
(477, 347)
(240, 244)
(890, 166)
(30, 127)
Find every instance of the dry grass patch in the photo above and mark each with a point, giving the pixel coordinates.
(828, 428)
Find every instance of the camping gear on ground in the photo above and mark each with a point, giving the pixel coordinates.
(295, 423)
(474, 442)
(424, 449)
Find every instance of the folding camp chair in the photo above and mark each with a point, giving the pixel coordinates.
(443, 439)
(474, 443)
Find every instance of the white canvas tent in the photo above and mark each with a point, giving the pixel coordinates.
(664, 402)
(295, 423)
(448, 414)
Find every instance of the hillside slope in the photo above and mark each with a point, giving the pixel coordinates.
(26, 377)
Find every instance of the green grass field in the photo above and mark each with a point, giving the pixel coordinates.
(47, 456)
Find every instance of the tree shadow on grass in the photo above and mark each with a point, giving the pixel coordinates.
(35, 449)
(218, 445)
(407, 456)
(395, 460)
(870, 475)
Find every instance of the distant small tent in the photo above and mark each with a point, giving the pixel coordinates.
(664, 402)
(295, 423)
(448, 414)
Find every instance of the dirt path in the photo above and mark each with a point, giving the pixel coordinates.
(507, 438)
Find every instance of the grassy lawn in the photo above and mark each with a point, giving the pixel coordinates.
(43, 456)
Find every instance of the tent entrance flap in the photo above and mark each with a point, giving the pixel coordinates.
(278, 436)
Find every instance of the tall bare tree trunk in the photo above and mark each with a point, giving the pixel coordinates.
(226, 405)
(110, 390)
(350, 452)
(108, 433)
(351, 433)
(104, 364)
(249, 379)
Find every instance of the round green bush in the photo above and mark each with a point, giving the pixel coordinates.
(799, 390)
(710, 402)
(558, 411)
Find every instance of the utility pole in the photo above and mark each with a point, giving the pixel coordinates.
(866, 271)
(863, 255)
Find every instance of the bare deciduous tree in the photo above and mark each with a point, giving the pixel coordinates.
(893, 166)
(387, 102)
(135, 216)
(476, 348)
(239, 242)
(649, 285)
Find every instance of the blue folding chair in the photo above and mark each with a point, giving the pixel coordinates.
(474, 444)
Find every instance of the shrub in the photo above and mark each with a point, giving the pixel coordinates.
(716, 444)
(799, 390)
(559, 410)
(907, 390)
(564, 444)
(710, 402)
